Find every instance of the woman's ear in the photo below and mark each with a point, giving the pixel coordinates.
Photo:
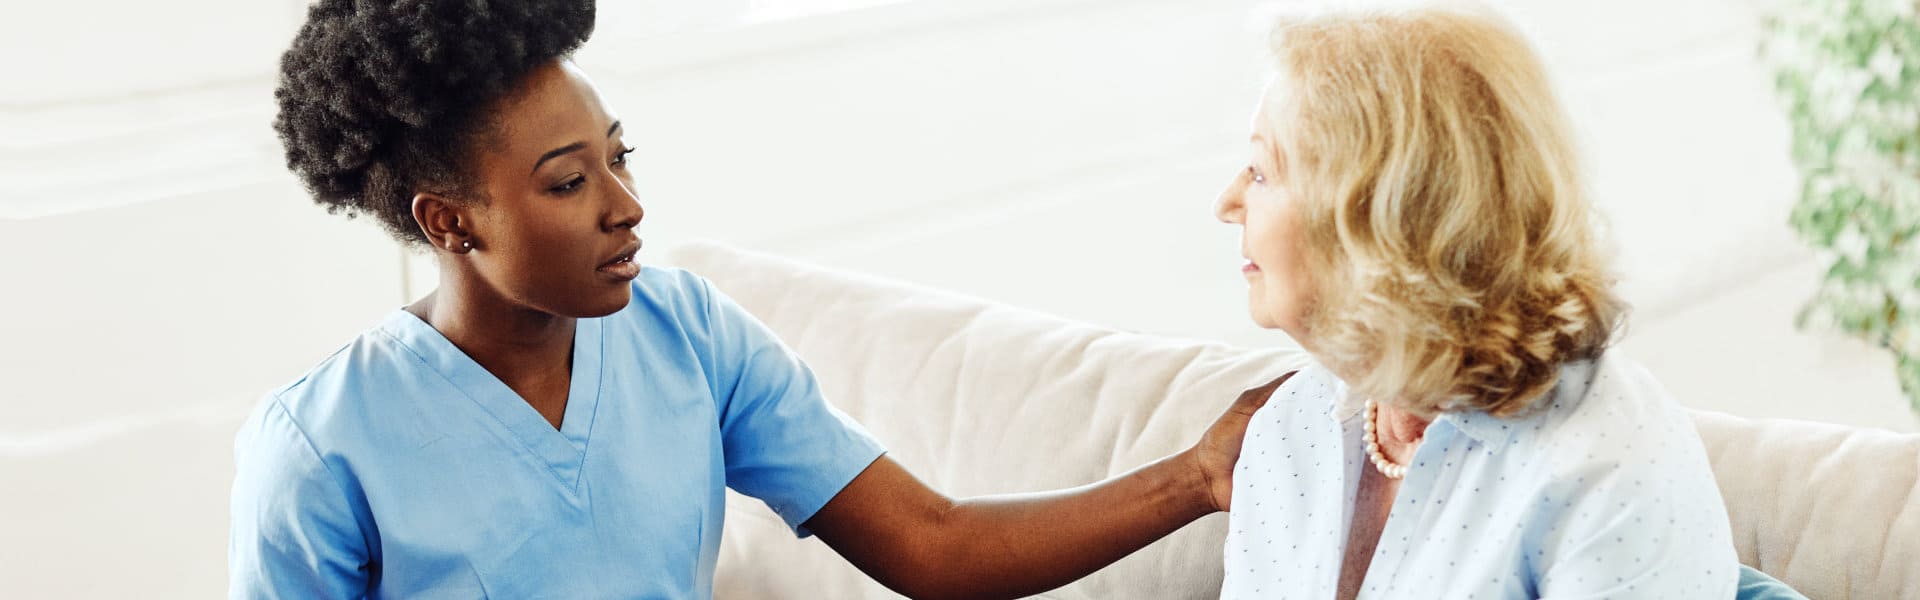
(444, 222)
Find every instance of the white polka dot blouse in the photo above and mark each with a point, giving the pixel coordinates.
(1604, 491)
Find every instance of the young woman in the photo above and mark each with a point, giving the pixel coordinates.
(555, 420)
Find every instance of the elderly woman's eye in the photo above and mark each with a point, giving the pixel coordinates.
(1255, 175)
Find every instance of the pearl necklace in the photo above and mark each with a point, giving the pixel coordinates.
(1380, 462)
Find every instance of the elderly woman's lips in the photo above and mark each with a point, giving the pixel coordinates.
(1249, 268)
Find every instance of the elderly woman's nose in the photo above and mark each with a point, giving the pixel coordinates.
(1230, 208)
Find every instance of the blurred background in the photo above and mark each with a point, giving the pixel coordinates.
(160, 270)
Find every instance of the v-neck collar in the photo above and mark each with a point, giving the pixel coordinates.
(564, 449)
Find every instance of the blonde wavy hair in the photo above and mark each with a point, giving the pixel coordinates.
(1457, 263)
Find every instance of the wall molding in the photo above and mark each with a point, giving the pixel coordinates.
(127, 150)
(100, 152)
(642, 53)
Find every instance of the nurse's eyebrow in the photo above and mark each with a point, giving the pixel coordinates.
(567, 148)
(554, 153)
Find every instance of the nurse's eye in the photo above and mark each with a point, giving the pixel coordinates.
(570, 186)
(620, 160)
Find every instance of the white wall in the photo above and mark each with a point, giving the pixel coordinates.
(159, 270)
(1074, 173)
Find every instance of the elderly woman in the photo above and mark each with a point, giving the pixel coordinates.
(1412, 214)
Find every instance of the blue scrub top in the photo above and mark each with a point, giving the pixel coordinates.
(400, 468)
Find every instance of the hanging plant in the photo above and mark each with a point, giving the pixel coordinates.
(1848, 73)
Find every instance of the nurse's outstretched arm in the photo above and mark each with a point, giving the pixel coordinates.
(923, 544)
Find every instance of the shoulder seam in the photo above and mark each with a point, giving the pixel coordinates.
(306, 439)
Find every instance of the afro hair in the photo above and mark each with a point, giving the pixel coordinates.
(380, 98)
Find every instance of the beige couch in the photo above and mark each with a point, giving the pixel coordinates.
(980, 398)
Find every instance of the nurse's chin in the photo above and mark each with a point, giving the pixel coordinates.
(608, 304)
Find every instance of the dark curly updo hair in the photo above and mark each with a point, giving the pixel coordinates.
(380, 98)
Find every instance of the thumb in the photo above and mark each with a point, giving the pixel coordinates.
(1252, 400)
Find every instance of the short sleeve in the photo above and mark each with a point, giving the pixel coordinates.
(293, 532)
(1640, 534)
(782, 442)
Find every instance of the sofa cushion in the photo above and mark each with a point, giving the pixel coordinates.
(1833, 511)
(980, 398)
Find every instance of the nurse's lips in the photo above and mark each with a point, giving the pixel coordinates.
(622, 267)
